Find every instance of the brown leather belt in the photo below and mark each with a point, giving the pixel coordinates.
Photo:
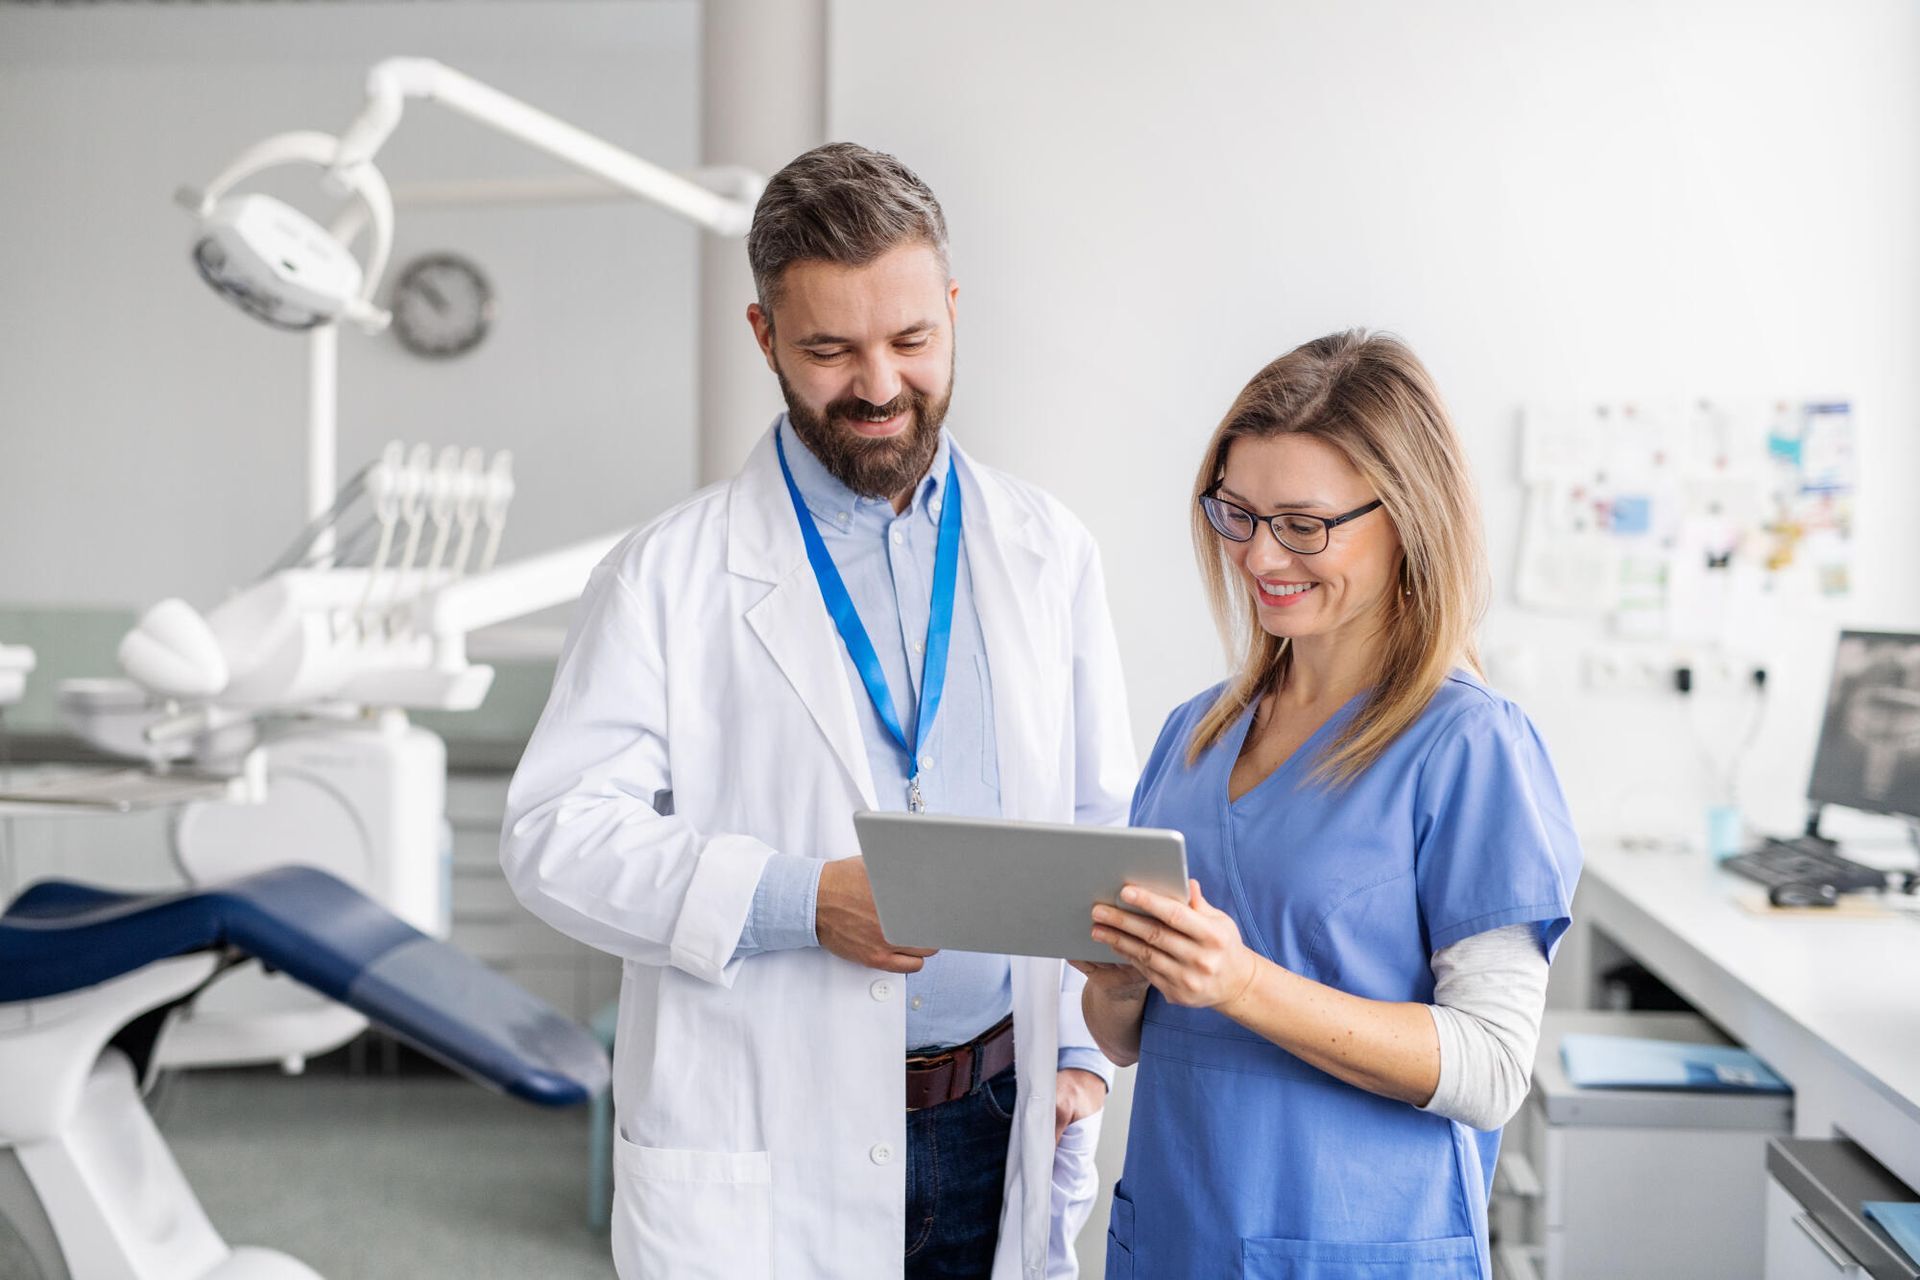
(954, 1073)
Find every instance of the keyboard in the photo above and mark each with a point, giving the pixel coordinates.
(1804, 861)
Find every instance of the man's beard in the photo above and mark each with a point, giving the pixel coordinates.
(874, 468)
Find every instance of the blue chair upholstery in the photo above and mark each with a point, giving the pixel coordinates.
(59, 937)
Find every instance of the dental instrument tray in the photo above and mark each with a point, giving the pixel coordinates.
(115, 791)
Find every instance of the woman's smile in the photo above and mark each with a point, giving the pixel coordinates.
(1275, 593)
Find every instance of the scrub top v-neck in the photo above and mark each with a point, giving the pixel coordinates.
(1243, 1160)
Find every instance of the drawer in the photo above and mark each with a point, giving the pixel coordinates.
(1815, 1187)
(1798, 1248)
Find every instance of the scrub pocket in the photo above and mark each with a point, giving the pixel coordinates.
(1450, 1258)
(691, 1214)
(1120, 1236)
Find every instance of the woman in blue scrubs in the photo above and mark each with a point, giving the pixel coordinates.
(1361, 814)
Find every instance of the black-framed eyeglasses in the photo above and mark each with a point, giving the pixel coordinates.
(1297, 531)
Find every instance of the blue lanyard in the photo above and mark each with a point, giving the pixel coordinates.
(833, 588)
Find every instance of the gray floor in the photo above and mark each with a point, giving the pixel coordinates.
(366, 1178)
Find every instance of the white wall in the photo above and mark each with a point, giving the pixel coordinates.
(152, 438)
(1549, 200)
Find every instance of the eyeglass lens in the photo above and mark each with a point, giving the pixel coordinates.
(1300, 533)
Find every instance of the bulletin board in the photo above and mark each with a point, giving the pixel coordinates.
(1685, 519)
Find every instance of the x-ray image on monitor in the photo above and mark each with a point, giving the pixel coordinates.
(1869, 752)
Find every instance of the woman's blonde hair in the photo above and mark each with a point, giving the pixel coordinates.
(1368, 396)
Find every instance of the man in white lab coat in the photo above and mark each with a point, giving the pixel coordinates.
(864, 617)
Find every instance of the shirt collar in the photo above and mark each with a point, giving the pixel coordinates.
(838, 507)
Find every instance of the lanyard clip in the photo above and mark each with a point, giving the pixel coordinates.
(914, 803)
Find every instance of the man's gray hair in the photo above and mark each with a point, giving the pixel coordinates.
(840, 203)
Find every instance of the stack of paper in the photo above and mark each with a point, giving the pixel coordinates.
(1627, 1062)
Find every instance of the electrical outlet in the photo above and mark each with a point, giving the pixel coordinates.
(1600, 670)
(1627, 669)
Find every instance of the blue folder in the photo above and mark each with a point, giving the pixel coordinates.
(1628, 1062)
(1901, 1221)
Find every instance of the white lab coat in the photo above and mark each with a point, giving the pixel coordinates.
(761, 1103)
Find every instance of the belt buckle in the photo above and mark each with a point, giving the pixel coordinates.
(948, 1058)
(928, 1062)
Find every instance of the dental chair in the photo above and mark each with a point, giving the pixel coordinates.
(88, 982)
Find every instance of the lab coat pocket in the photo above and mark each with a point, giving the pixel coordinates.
(687, 1214)
(1449, 1258)
(1120, 1236)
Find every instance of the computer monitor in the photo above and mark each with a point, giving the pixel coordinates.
(1869, 752)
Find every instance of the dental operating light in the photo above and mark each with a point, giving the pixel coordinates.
(283, 267)
(279, 265)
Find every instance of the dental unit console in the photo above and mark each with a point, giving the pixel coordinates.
(275, 723)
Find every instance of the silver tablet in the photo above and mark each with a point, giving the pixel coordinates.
(1008, 888)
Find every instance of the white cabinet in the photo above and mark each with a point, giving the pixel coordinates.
(1599, 1184)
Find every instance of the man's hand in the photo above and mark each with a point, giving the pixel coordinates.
(1116, 983)
(1077, 1094)
(845, 922)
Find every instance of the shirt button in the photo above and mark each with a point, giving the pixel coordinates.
(843, 517)
(926, 762)
(896, 537)
(934, 506)
(882, 1153)
(919, 646)
(916, 1002)
(880, 990)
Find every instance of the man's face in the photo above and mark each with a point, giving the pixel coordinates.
(864, 356)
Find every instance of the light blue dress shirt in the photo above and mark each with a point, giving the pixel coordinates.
(886, 561)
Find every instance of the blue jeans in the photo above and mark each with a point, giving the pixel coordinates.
(956, 1168)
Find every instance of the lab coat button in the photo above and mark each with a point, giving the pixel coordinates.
(880, 990)
(882, 1152)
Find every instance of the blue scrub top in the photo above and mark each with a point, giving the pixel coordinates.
(1242, 1160)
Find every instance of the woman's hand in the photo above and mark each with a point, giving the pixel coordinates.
(1189, 951)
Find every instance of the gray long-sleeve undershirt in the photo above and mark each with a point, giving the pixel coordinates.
(1489, 993)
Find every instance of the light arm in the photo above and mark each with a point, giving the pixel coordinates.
(392, 82)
